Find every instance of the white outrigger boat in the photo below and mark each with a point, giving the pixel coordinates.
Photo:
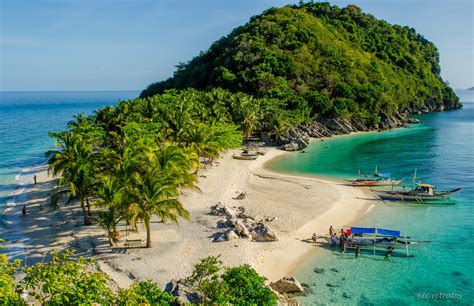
(373, 180)
(375, 241)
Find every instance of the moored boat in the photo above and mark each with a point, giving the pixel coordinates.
(373, 180)
(244, 157)
(422, 194)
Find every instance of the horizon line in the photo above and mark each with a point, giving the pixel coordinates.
(82, 90)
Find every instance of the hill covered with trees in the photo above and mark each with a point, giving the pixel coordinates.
(320, 60)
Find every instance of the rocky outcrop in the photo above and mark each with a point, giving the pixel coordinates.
(298, 138)
(242, 223)
(263, 233)
(184, 293)
(287, 285)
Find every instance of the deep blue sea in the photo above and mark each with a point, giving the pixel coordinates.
(442, 151)
(25, 120)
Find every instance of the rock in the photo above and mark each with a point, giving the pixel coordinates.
(334, 270)
(457, 273)
(229, 213)
(231, 235)
(240, 228)
(319, 270)
(217, 210)
(292, 146)
(184, 293)
(332, 285)
(270, 219)
(223, 224)
(346, 295)
(262, 232)
(287, 285)
(413, 120)
(241, 196)
(219, 237)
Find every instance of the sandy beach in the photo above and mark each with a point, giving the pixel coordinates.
(301, 206)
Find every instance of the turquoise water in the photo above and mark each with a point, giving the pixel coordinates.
(442, 149)
(25, 120)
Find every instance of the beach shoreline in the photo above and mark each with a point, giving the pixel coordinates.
(301, 206)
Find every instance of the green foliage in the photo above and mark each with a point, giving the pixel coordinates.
(145, 292)
(319, 59)
(67, 281)
(237, 285)
(8, 290)
(206, 268)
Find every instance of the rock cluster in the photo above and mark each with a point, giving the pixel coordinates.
(287, 285)
(184, 293)
(298, 138)
(242, 223)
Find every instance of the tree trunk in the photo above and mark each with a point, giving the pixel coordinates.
(148, 236)
(111, 240)
(88, 207)
(84, 212)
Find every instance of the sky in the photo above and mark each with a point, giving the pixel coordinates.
(128, 44)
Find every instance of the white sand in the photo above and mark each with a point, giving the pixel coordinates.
(302, 206)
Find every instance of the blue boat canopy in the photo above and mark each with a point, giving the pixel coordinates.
(373, 230)
(386, 175)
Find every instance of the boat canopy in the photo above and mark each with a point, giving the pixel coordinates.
(386, 175)
(374, 230)
(425, 185)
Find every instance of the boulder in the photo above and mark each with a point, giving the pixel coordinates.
(185, 294)
(231, 235)
(240, 228)
(292, 146)
(219, 237)
(229, 213)
(263, 233)
(217, 210)
(287, 285)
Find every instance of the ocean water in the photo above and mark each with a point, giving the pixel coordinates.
(441, 272)
(25, 120)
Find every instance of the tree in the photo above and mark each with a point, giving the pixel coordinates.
(237, 285)
(154, 194)
(145, 292)
(111, 196)
(67, 281)
(8, 290)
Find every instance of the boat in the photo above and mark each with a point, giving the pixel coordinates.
(374, 180)
(244, 157)
(421, 194)
(377, 241)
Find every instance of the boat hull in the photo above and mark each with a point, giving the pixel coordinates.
(416, 198)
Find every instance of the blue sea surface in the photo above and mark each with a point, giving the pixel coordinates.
(441, 272)
(25, 120)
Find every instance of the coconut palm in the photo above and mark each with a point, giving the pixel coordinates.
(112, 196)
(154, 194)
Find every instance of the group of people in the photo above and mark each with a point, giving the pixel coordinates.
(344, 240)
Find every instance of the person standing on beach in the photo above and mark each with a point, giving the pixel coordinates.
(34, 178)
(331, 231)
(23, 210)
(357, 252)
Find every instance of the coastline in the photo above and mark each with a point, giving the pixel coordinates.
(302, 206)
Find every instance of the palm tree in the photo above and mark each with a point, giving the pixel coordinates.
(154, 194)
(112, 196)
(74, 162)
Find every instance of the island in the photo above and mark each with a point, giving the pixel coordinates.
(168, 192)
